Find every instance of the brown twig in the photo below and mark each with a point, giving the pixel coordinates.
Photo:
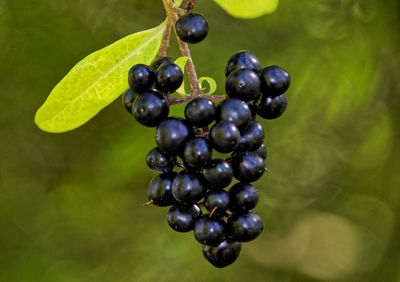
(212, 212)
(175, 101)
(173, 17)
(189, 5)
(202, 134)
(194, 83)
(165, 41)
(148, 203)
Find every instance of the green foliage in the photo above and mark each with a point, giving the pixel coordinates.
(181, 62)
(211, 84)
(71, 205)
(96, 81)
(248, 9)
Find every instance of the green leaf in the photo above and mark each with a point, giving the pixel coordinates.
(181, 62)
(211, 83)
(96, 81)
(177, 3)
(248, 9)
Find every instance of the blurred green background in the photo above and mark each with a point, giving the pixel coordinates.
(71, 204)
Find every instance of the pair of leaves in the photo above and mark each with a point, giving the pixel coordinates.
(181, 62)
(100, 78)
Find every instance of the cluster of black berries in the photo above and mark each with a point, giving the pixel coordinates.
(188, 144)
(246, 80)
(201, 180)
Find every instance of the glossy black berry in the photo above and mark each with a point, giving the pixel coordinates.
(209, 231)
(169, 77)
(141, 78)
(235, 111)
(159, 61)
(252, 137)
(262, 151)
(248, 166)
(187, 188)
(243, 84)
(271, 108)
(218, 174)
(197, 152)
(225, 137)
(159, 161)
(182, 218)
(171, 135)
(242, 60)
(128, 98)
(243, 197)
(192, 28)
(150, 108)
(245, 227)
(159, 190)
(274, 81)
(218, 199)
(223, 255)
(200, 112)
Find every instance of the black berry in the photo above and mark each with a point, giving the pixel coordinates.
(158, 161)
(169, 77)
(235, 111)
(248, 166)
(171, 135)
(209, 231)
(262, 151)
(197, 152)
(243, 84)
(252, 137)
(218, 174)
(182, 218)
(242, 60)
(274, 81)
(223, 255)
(271, 108)
(217, 199)
(159, 61)
(187, 188)
(159, 190)
(128, 98)
(225, 137)
(192, 28)
(243, 197)
(200, 112)
(150, 108)
(246, 227)
(141, 78)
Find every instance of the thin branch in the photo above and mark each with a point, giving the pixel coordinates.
(175, 101)
(165, 41)
(173, 16)
(194, 83)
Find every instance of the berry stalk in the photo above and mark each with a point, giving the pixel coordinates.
(194, 83)
(165, 42)
(173, 17)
